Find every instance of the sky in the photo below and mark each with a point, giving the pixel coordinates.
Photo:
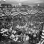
(33, 1)
(24, 1)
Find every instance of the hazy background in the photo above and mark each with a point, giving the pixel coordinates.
(27, 1)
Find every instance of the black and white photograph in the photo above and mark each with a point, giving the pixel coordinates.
(21, 21)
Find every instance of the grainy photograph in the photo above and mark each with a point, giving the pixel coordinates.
(21, 21)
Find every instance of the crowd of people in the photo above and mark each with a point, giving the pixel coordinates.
(29, 18)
